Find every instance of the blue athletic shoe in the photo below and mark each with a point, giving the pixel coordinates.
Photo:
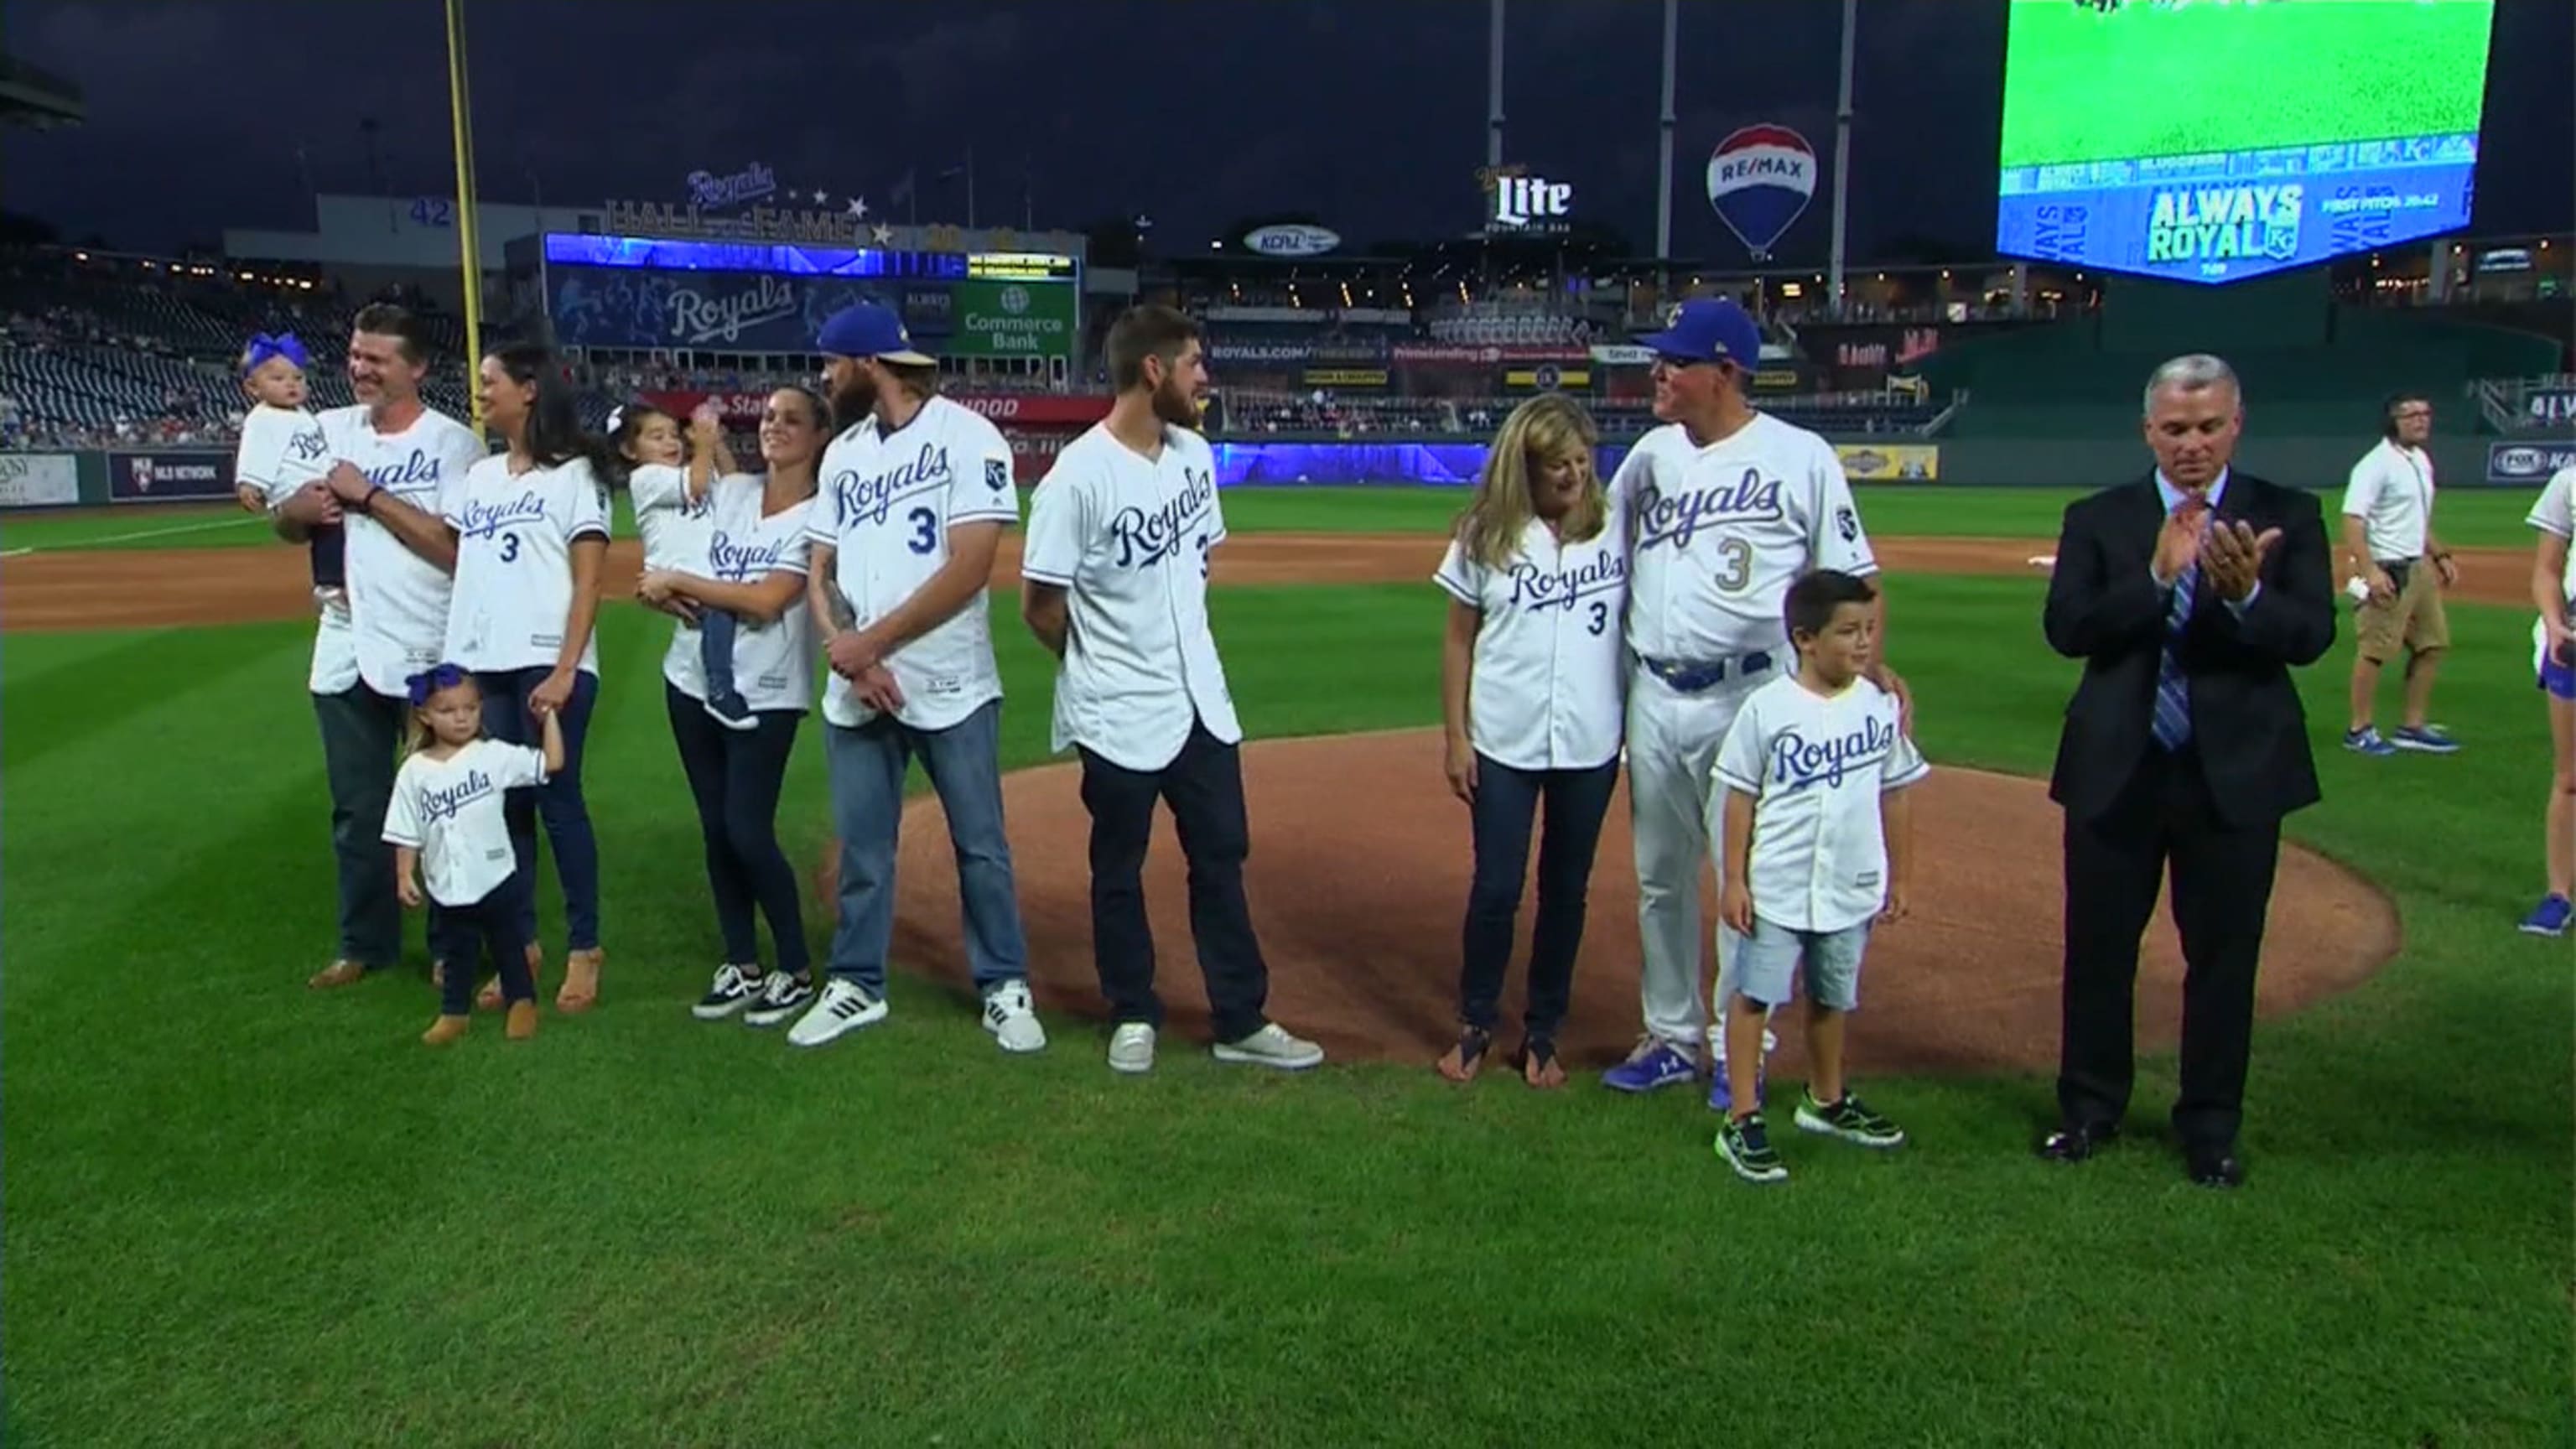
(2428, 740)
(2550, 918)
(1722, 1099)
(2366, 741)
(1652, 1065)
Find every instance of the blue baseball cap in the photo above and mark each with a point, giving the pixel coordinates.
(869, 329)
(1708, 329)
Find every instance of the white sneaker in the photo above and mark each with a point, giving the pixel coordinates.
(844, 1008)
(1131, 1048)
(1271, 1046)
(1012, 1018)
(782, 997)
(735, 988)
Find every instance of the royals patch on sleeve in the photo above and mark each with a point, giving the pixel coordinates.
(997, 474)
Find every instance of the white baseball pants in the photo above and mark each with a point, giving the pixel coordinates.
(1672, 750)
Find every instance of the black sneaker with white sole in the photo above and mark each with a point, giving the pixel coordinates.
(782, 997)
(735, 988)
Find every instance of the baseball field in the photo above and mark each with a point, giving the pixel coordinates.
(2218, 75)
(240, 1212)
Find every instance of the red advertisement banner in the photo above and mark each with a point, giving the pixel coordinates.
(1033, 409)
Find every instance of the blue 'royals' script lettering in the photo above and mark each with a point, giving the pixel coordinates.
(740, 559)
(482, 519)
(444, 804)
(1146, 539)
(405, 475)
(1797, 761)
(1676, 518)
(869, 500)
(1534, 588)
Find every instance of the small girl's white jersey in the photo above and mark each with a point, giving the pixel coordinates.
(886, 504)
(1549, 685)
(673, 525)
(514, 537)
(281, 450)
(1128, 538)
(450, 811)
(773, 663)
(1816, 766)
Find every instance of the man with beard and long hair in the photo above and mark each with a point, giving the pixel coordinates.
(1115, 586)
(914, 495)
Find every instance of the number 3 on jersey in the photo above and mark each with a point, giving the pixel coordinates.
(925, 530)
(1734, 565)
(509, 548)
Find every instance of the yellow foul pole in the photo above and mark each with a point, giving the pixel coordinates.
(469, 240)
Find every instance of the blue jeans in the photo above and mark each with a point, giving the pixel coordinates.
(1505, 812)
(965, 767)
(716, 630)
(567, 816)
(735, 777)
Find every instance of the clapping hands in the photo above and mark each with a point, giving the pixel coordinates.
(2233, 556)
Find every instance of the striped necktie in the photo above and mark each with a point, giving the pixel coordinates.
(2173, 692)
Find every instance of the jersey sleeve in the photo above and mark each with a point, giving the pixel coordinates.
(516, 767)
(1059, 524)
(823, 520)
(979, 480)
(655, 487)
(2555, 512)
(2361, 486)
(1905, 764)
(1835, 539)
(453, 494)
(402, 813)
(256, 456)
(796, 551)
(586, 514)
(1216, 496)
(1631, 474)
(463, 451)
(1741, 756)
(1461, 576)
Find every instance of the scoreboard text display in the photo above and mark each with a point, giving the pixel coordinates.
(2215, 140)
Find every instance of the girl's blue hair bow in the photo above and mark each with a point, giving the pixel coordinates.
(263, 347)
(431, 680)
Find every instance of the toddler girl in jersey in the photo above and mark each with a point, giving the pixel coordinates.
(1819, 846)
(282, 449)
(447, 828)
(673, 513)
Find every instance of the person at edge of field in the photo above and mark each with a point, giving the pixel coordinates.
(750, 563)
(1114, 584)
(2553, 658)
(2389, 540)
(669, 482)
(531, 534)
(448, 824)
(916, 493)
(1531, 690)
(282, 449)
(396, 466)
(1817, 831)
(1727, 505)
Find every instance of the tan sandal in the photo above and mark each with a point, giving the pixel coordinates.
(338, 973)
(581, 981)
(445, 1030)
(489, 998)
(522, 1022)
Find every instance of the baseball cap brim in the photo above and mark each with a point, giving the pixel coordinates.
(905, 358)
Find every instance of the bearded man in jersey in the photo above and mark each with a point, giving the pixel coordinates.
(1727, 506)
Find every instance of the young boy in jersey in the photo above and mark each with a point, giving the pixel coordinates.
(1818, 841)
(282, 449)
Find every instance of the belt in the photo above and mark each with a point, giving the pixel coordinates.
(1692, 678)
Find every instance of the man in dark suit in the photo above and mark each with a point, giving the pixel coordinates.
(2188, 594)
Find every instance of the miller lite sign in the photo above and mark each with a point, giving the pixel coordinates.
(1519, 202)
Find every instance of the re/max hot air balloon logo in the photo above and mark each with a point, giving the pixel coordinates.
(1760, 180)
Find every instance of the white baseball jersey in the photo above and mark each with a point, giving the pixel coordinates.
(397, 599)
(1548, 691)
(514, 587)
(1816, 766)
(1128, 538)
(888, 500)
(450, 811)
(2391, 491)
(281, 450)
(673, 525)
(1719, 533)
(773, 663)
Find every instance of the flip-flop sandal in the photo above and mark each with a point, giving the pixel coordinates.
(581, 981)
(1473, 1041)
(1538, 1063)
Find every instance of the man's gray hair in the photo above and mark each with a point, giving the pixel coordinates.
(2191, 373)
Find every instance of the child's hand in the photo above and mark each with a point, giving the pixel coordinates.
(408, 889)
(706, 426)
(1898, 905)
(250, 498)
(1735, 908)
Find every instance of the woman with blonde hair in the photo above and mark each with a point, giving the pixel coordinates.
(1533, 692)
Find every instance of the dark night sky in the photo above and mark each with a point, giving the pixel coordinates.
(1368, 113)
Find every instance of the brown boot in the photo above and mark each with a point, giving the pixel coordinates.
(489, 998)
(522, 1023)
(338, 973)
(581, 981)
(445, 1030)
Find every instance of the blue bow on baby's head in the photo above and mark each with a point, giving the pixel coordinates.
(431, 680)
(263, 347)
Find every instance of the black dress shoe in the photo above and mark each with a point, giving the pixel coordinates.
(2077, 1141)
(2215, 1168)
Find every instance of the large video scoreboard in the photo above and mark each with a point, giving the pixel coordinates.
(2215, 140)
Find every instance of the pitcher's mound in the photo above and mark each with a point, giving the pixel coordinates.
(1358, 881)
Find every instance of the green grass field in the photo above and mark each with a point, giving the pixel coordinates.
(2217, 75)
(239, 1213)
(2469, 516)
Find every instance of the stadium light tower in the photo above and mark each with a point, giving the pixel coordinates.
(1664, 171)
(1842, 160)
(468, 234)
(1494, 89)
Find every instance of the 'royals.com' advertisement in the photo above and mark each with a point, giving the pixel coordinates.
(642, 307)
(152, 477)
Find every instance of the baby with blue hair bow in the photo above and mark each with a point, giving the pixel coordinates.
(283, 448)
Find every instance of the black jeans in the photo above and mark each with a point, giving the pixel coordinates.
(506, 717)
(1501, 817)
(1204, 786)
(735, 776)
(362, 733)
(462, 933)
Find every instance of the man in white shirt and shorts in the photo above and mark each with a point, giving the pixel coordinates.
(2399, 569)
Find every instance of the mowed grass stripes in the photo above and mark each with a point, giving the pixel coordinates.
(242, 1213)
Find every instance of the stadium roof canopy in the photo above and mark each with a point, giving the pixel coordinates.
(30, 96)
